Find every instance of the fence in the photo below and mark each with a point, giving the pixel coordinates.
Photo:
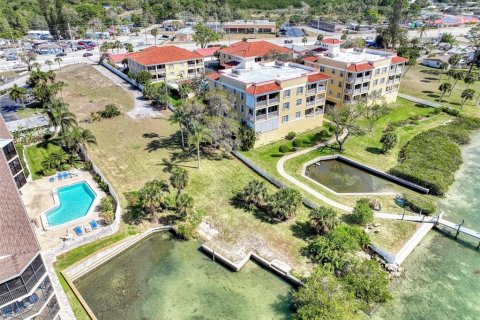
(122, 75)
(268, 177)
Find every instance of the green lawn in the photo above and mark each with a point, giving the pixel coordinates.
(36, 154)
(423, 82)
(66, 260)
(29, 112)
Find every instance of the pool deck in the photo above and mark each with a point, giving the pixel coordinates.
(37, 197)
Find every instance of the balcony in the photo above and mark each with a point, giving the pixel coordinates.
(273, 114)
(399, 70)
(365, 78)
(321, 89)
(350, 79)
(359, 80)
(318, 111)
(319, 101)
(392, 71)
(273, 100)
(397, 80)
(364, 89)
(311, 91)
(390, 81)
(311, 103)
(261, 117)
(261, 103)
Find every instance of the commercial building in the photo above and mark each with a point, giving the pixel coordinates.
(167, 63)
(26, 291)
(275, 97)
(357, 73)
(327, 26)
(246, 54)
(249, 26)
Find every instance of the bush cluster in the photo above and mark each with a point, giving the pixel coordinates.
(107, 209)
(109, 112)
(431, 158)
(420, 203)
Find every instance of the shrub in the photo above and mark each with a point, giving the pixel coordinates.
(107, 216)
(449, 111)
(420, 203)
(323, 135)
(362, 213)
(291, 135)
(296, 143)
(107, 209)
(284, 148)
(284, 204)
(110, 111)
(248, 137)
(431, 158)
(254, 194)
(389, 140)
(323, 220)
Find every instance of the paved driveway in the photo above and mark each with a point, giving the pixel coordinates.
(8, 108)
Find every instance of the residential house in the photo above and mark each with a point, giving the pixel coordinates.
(26, 290)
(467, 53)
(435, 61)
(208, 54)
(184, 35)
(245, 54)
(357, 73)
(275, 97)
(167, 63)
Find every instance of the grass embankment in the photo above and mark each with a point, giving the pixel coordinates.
(70, 258)
(423, 82)
(36, 154)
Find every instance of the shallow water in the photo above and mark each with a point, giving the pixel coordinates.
(164, 278)
(344, 178)
(442, 277)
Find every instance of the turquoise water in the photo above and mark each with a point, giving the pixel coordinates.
(74, 202)
(442, 275)
(165, 278)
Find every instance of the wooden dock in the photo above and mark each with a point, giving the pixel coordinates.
(459, 228)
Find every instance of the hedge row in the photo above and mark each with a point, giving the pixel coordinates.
(420, 203)
(431, 158)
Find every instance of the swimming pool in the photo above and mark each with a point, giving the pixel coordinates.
(72, 202)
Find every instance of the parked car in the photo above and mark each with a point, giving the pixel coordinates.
(61, 54)
(88, 54)
(164, 36)
(90, 48)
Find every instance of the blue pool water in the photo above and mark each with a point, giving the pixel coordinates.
(74, 202)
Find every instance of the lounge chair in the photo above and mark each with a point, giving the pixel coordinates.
(52, 179)
(59, 176)
(78, 231)
(7, 311)
(87, 228)
(33, 298)
(94, 224)
(65, 175)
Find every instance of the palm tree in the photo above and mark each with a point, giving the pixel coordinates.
(78, 137)
(154, 33)
(61, 118)
(36, 65)
(454, 60)
(422, 31)
(444, 88)
(104, 47)
(118, 45)
(469, 79)
(459, 75)
(450, 73)
(323, 220)
(198, 134)
(443, 66)
(51, 75)
(18, 94)
(179, 180)
(184, 89)
(60, 85)
(304, 40)
(152, 195)
(49, 64)
(179, 116)
(255, 193)
(184, 204)
(58, 60)
(467, 94)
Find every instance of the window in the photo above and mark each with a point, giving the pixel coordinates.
(377, 72)
(331, 81)
(15, 166)
(257, 59)
(299, 102)
(338, 95)
(329, 92)
(286, 94)
(340, 84)
(322, 69)
(234, 91)
(298, 114)
(384, 70)
(380, 91)
(375, 82)
(299, 90)
(9, 151)
(241, 108)
(285, 119)
(286, 105)
(241, 95)
(333, 71)
(215, 84)
(341, 74)
(382, 80)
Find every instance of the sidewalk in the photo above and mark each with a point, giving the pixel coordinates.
(418, 100)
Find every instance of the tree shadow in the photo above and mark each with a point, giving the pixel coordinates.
(431, 79)
(373, 150)
(171, 142)
(425, 81)
(430, 72)
(276, 155)
(303, 230)
(427, 91)
(151, 135)
(435, 96)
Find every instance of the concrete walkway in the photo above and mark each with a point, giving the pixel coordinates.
(418, 100)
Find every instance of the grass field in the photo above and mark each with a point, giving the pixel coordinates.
(423, 82)
(36, 154)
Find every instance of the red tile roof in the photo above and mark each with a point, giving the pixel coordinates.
(207, 52)
(263, 88)
(18, 244)
(317, 77)
(254, 49)
(331, 41)
(117, 58)
(166, 54)
(213, 76)
(398, 59)
(310, 58)
(360, 67)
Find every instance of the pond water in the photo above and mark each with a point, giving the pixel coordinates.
(442, 275)
(344, 178)
(164, 278)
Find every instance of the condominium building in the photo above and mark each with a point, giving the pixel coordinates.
(10, 155)
(26, 291)
(357, 73)
(167, 63)
(275, 98)
(244, 54)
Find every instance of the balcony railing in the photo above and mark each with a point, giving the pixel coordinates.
(261, 103)
(311, 91)
(321, 89)
(319, 101)
(350, 79)
(367, 77)
(390, 82)
(273, 100)
(311, 103)
(261, 117)
(364, 89)
(309, 115)
(273, 114)
(397, 80)
(318, 111)
(392, 71)
(399, 70)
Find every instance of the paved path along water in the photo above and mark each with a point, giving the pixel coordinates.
(418, 100)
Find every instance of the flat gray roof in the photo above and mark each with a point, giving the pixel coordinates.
(263, 73)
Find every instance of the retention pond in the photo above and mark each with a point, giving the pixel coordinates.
(164, 278)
